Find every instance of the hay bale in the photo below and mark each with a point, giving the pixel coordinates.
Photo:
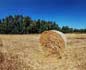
(53, 42)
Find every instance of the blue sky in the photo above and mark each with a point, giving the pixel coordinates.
(64, 12)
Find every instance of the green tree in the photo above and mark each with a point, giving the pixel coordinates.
(19, 24)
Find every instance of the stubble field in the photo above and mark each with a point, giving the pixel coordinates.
(23, 52)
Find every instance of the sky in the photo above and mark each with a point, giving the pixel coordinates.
(70, 13)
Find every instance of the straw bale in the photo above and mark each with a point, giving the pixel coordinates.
(52, 42)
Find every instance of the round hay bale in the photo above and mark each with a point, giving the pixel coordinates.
(53, 42)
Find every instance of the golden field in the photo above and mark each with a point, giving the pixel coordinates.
(23, 52)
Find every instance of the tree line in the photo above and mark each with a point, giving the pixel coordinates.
(19, 24)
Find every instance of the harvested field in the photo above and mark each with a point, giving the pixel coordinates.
(23, 52)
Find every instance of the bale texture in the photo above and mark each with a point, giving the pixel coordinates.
(53, 42)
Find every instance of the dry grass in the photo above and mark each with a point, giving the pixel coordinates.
(23, 52)
(9, 61)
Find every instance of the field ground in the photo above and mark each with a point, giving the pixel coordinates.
(28, 52)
